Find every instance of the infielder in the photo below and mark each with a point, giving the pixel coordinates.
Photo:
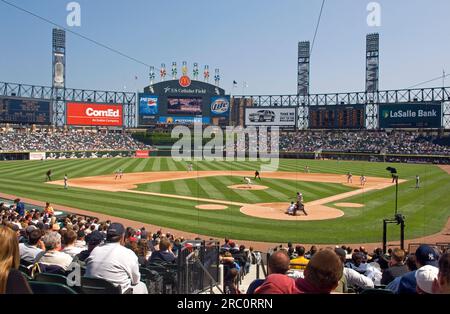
(190, 167)
(349, 177)
(363, 180)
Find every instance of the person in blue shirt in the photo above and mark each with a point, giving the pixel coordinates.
(20, 207)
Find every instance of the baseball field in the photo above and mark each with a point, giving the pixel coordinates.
(214, 200)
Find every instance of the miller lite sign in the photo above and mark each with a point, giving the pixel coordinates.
(220, 106)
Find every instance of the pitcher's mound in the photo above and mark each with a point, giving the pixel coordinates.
(211, 207)
(277, 211)
(246, 187)
(350, 205)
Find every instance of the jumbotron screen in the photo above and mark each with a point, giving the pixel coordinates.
(24, 110)
(337, 117)
(191, 106)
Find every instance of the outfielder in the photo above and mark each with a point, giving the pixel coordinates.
(257, 175)
(417, 182)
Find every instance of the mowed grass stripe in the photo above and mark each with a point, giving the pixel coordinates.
(157, 164)
(40, 167)
(129, 165)
(171, 165)
(141, 165)
(37, 175)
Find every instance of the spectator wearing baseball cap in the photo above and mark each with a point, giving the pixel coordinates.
(113, 262)
(92, 240)
(425, 255)
(425, 277)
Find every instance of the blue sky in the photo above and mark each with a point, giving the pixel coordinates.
(249, 40)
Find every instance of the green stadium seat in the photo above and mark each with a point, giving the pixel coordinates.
(98, 286)
(50, 288)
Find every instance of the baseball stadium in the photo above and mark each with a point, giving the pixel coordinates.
(198, 189)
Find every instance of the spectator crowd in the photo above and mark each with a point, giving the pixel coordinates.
(397, 142)
(42, 243)
(70, 140)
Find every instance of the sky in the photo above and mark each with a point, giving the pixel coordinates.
(252, 41)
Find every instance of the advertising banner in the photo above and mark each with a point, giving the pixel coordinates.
(410, 115)
(142, 154)
(148, 109)
(220, 106)
(37, 155)
(94, 114)
(184, 120)
(270, 116)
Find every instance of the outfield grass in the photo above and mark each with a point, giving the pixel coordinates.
(279, 190)
(426, 209)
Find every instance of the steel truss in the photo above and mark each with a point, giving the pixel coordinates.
(371, 100)
(60, 96)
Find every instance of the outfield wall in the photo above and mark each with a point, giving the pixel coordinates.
(166, 152)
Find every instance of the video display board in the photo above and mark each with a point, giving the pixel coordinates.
(337, 117)
(191, 106)
(24, 110)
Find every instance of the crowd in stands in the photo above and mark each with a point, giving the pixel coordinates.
(345, 270)
(105, 250)
(68, 140)
(39, 242)
(396, 142)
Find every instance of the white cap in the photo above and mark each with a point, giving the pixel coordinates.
(425, 277)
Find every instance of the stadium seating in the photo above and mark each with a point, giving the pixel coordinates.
(50, 288)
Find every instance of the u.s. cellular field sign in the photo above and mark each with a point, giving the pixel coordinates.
(410, 115)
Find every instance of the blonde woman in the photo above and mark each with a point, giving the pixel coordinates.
(11, 279)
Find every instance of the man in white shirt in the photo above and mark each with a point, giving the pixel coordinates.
(352, 277)
(115, 263)
(69, 244)
(53, 256)
(30, 250)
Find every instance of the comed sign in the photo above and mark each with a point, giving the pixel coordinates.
(411, 115)
(94, 114)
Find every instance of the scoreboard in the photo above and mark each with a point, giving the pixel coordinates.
(24, 110)
(337, 117)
